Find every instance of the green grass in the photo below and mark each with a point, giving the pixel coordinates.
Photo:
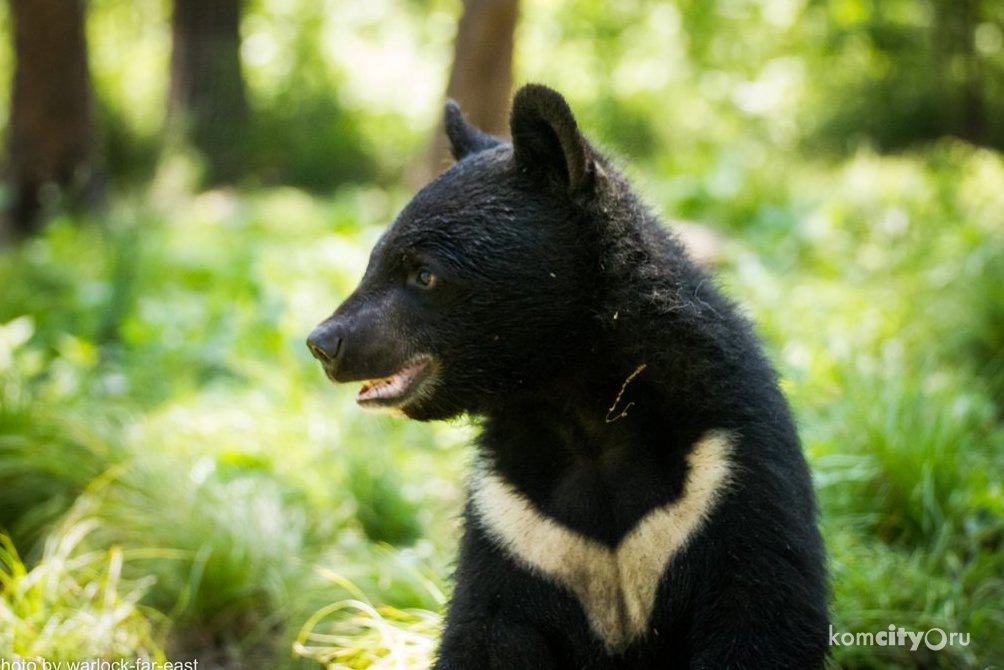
(874, 329)
(155, 392)
(355, 634)
(74, 605)
(49, 452)
(364, 636)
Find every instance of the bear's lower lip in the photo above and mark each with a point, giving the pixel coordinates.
(398, 388)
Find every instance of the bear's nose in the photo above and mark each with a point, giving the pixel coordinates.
(324, 345)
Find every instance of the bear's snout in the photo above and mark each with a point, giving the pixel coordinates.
(326, 346)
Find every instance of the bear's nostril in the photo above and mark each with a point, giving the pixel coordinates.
(327, 352)
(317, 352)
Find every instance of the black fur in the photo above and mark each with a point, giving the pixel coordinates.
(553, 286)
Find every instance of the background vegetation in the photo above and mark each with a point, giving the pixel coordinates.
(177, 478)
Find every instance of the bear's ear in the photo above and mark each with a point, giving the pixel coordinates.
(546, 138)
(464, 138)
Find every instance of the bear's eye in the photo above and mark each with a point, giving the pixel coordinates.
(423, 278)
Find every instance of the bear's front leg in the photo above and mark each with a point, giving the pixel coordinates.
(492, 619)
(762, 611)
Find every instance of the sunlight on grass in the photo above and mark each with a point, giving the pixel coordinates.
(74, 604)
(384, 638)
(354, 634)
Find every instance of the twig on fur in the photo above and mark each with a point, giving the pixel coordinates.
(620, 395)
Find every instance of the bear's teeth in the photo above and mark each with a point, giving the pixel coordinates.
(393, 386)
(387, 387)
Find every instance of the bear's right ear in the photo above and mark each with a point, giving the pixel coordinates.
(546, 139)
(464, 138)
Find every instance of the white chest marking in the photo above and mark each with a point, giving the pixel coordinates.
(616, 587)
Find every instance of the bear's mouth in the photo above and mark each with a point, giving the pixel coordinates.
(397, 389)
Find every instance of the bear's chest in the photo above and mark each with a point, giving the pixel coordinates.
(615, 585)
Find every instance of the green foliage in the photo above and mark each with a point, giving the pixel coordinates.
(361, 635)
(223, 543)
(987, 340)
(302, 134)
(74, 605)
(871, 320)
(925, 69)
(694, 78)
(49, 454)
(386, 516)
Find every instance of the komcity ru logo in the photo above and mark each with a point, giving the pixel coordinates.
(934, 639)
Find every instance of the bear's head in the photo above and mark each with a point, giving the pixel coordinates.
(486, 283)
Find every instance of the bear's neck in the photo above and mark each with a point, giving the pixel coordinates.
(670, 361)
(596, 454)
(599, 448)
(591, 411)
(661, 311)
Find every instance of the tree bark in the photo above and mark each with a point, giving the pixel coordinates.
(481, 78)
(51, 138)
(207, 101)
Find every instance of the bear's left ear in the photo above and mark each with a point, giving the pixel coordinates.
(546, 138)
(464, 138)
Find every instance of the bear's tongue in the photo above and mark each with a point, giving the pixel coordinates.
(392, 387)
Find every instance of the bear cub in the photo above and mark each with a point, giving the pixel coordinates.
(640, 499)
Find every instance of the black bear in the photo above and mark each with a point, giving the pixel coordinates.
(640, 498)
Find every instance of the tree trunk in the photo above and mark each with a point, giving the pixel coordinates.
(51, 136)
(960, 70)
(481, 78)
(973, 98)
(207, 101)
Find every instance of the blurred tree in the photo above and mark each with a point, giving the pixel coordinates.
(51, 139)
(954, 37)
(908, 72)
(481, 78)
(207, 102)
(301, 133)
